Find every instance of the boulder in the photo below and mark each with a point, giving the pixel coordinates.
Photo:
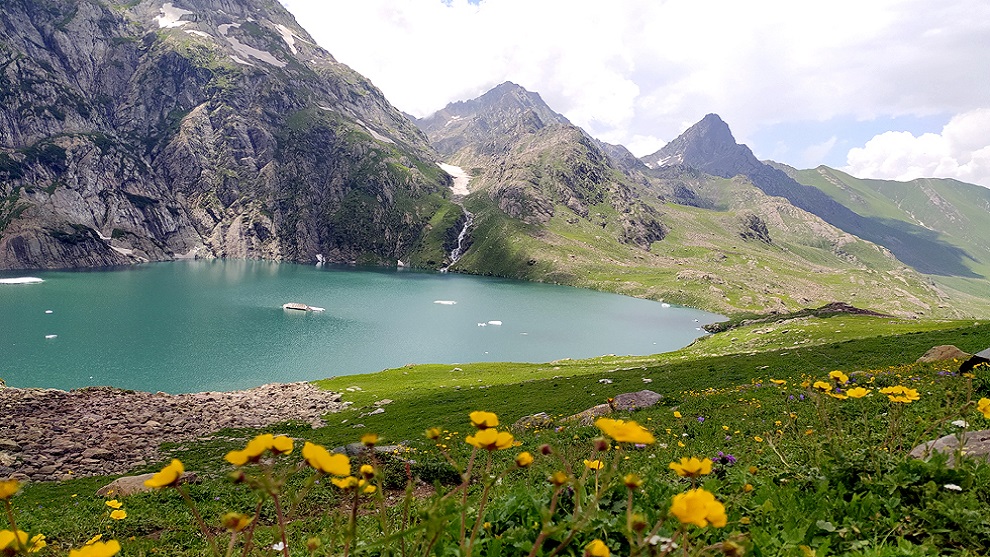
(634, 401)
(975, 444)
(588, 416)
(129, 485)
(943, 353)
(541, 420)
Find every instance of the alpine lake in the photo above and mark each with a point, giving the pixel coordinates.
(219, 325)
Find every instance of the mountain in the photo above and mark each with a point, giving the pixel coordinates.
(950, 211)
(134, 131)
(710, 147)
(552, 204)
(530, 160)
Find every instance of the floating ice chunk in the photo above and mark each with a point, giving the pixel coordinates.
(314, 308)
(21, 280)
(445, 302)
(50, 336)
(665, 305)
(482, 324)
(494, 322)
(48, 311)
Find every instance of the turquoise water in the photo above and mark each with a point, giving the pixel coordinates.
(219, 325)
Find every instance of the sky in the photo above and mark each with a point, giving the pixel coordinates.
(894, 89)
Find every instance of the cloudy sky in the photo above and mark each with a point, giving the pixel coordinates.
(880, 88)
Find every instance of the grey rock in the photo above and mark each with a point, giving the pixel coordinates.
(540, 420)
(130, 485)
(943, 353)
(634, 401)
(588, 416)
(975, 444)
(9, 445)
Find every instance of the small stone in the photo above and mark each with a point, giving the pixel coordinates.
(975, 444)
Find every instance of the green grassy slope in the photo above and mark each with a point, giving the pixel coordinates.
(954, 212)
(705, 262)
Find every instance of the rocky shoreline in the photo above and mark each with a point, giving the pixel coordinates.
(48, 434)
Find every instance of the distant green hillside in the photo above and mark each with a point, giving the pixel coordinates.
(950, 211)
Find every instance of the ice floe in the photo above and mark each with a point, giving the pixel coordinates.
(445, 302)
(22, 280)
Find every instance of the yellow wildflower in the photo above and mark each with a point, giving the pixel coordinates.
(11, 540)
(625, 431)
(757, 438)
(822, 386)
(698, 507)
(744, 520)
(433, 433)
(281, 445)
(677, 414)
(858, 392)
(118, 514)
(838, 376)
(984, 407)
(558, 478)
(97, 549)
(594, 464)
(367, 471)
(169, 475)
(94, 539)
(235, 522)
(345, 483)
(900, 393)
(748, 487)
(369, 439)
(490, 439)
(692, 467)
(366, 486)
(37, 543)
(524, 459)
(840, 396)
(114, 504)
(780, 382)
(483, 420)
(596, 548)
(321, 459)
(632, 481)
(805, 383)
(8, 488)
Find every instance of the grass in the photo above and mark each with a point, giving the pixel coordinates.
(830, 490)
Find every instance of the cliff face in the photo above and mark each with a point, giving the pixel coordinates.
(211, 127)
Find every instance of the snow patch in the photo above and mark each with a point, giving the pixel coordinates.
(171, 16)
(241, 61)
(288, 36)
(461, 178)
(248, 51)
(375, 134)
(198, 33)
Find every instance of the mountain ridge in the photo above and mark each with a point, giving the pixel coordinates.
(151, 131)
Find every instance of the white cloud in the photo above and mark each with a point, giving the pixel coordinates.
(642, 68)
(960, 151)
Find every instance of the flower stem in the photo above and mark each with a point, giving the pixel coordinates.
(199, 519)
(281, 524)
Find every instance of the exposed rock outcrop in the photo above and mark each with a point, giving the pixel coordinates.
(48, 434)
(157, 130)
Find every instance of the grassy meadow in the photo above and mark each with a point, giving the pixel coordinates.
(793, 471)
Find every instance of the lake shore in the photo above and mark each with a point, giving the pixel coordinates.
(50, 434)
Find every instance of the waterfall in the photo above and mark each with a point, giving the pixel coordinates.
(457, 252)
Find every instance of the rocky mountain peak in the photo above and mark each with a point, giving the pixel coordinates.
(504, 112)
(708, 146)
